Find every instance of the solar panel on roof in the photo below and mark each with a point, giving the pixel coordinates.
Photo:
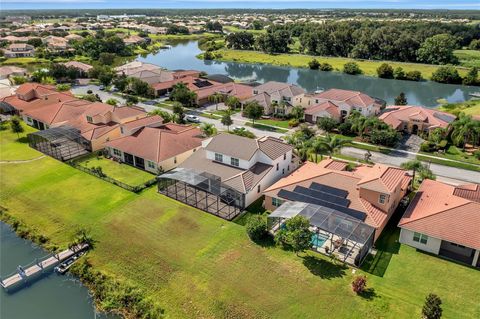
(444, 117)
(323, 196)
(288, 195)
(328, 189)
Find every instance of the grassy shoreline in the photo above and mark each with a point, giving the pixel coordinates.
(369, 68)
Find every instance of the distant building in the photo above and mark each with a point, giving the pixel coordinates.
(19, 50)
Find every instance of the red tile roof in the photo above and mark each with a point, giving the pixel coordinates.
(160, 143)
(353, 98)
(439, 212)
(327, 106)
(395, 115)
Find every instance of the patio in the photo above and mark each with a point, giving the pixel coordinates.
(350, 239)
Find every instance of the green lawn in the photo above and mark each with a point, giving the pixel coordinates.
(197, 265)
(299, 60)
(471, 107)
(278, 123)
(264, 127)
(13, 147)
(455, 153)
(121, 172)
(468, 58)
(440, 161)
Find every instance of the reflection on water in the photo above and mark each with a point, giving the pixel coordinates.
(53, 296)
(183, 56)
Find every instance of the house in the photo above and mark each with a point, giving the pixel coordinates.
(56, 44)
(73, 37)
(345, 100)
(368, 193)
(82, 67)
(150, 145)
(324, 109)
(134, 40)
(8, 71)
(19, 50)
(444, 220)
(276, 97)
(415, 119)
(135, 67)
(229, 171)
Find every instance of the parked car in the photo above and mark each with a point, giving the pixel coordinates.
(101, 88)
(151, 102)
(192, 118)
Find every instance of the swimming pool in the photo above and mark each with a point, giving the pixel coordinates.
(318, 240)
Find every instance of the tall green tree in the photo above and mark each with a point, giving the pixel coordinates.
(208, 129)
(232, 102)
(333, 144)
(401, 99)
(178, 112)
(181, 93)
(438, 49)
(296, 234)
(16, 126)
(227, 120)
(216, 98)
(253, 111)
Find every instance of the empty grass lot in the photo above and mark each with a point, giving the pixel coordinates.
(369, 68)
(121, 172)
(199, 266)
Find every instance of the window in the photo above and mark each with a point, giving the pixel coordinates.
(285, 156)
(117, 152)
(151, 164)
(420, 238)
(288, 168)
(258, 189)
(255, 92)
(382, 198)
(278, 167)
(316, 101)
(175, 160)
(121, 130)
(218, 157)
(276, 202)
(234, 161)
(283, 171)
(29, 119)
(89, 119)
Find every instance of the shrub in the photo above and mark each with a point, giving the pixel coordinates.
(446, 74)
(399, 74)
(326, 67)
(327, 124)
(89, 91)
(474, 45)
(351, 68)
(63, 87)
(256, 227)
(208, 55)
(385, 71)
(442, 144)
(359, 284)
(293, 123)
(413, 76)
(388, 137)
(18, 80)
(345, 128)
(427, 146)
(432, 307)
(477, 154)
(131, 100)
(314, 64)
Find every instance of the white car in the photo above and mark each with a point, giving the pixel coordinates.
(192, 118)
(238, 128)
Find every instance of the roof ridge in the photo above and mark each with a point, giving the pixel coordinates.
(436, 213)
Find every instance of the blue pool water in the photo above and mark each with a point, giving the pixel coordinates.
(318, 240)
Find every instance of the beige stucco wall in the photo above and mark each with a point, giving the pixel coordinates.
(99, 142)
(432, 245)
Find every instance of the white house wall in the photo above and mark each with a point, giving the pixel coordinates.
(432, 245)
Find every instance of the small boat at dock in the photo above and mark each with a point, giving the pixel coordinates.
(64, 266)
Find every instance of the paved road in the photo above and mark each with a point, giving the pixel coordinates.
(397, 158)
(104, 95)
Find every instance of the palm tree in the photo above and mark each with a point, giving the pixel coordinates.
(332, 144)
(208, 129)
(413, 165)
(216, 98)
(232, 102)
(317, 147)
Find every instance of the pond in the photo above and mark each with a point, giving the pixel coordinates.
(182, 55)
(52, 296)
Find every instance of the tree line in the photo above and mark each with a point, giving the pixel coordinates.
(431, 43)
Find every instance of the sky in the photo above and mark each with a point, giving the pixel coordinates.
(255, 4)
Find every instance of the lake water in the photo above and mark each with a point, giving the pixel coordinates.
(182, 55)
(52, 296)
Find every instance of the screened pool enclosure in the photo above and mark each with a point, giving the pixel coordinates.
(202, 190)
(332, 231)
(62, 143)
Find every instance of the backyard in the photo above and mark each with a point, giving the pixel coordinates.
(198, 265)
(121, 172)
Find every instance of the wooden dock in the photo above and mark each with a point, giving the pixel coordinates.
(23, 273)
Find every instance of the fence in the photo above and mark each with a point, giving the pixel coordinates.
(134, 189)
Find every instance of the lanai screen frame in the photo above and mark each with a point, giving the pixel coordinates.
(226, 198)
(48, 137)
(330, 221)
